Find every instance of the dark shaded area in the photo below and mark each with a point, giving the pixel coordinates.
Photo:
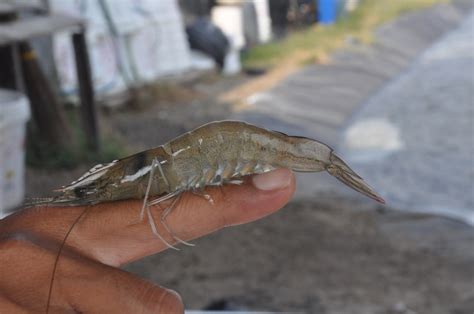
(6, 64)
(196, 8)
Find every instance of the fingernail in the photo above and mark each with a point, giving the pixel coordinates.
(273, 180)
(175, 294)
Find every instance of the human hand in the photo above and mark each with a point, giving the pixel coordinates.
(109, 235)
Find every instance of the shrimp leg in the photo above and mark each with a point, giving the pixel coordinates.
(168, 210)
(152, 221)
(164, 197)
(147, 192)
(155, 231)
(154, 163)
(146, 204)
(165, 213)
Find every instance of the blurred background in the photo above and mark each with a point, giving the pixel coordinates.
(388, 84)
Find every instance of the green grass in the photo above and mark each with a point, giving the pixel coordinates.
(315, 43)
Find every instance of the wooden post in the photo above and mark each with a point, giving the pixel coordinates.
(48, 113)
(86, 91)
(17, 68)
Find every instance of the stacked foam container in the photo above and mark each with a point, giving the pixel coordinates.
(14, 113)
(264, 21)
(147, 41)
(230, 16)
(239, 25)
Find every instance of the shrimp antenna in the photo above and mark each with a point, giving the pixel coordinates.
(56, 261)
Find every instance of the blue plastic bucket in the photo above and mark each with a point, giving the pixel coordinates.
(327, 11)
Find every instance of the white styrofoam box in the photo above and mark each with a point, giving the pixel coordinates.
(232, 65)
(103, 58)
(154, 59)
(88, 9)
(163, 10)
(250, 23)
(351, 5)
(151, 43)
(125, 15)
(229, 18)
(14, 113)
(264, 21)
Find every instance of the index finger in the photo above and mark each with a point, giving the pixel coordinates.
(112, 233)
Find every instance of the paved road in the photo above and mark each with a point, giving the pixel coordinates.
(320, 100)
(414, 140)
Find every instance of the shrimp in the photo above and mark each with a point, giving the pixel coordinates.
(217, 153)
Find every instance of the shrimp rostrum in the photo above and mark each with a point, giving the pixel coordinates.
(214, 154)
